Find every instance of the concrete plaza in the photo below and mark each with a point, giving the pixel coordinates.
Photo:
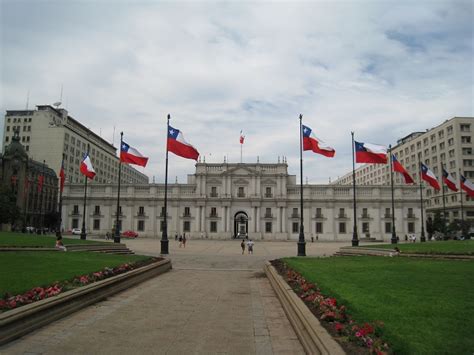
(214, 300)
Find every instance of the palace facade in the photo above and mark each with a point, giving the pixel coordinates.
(221, 201)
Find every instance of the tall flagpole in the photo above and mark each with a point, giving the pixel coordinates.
(164, 236)
(394, 233)
(355, 239)
(83, 231)
(117, 214)
(301, 242)
(41, 201)
(240, 147)
(444, 203)
(60, 206)
(422, 238)
(460, 195)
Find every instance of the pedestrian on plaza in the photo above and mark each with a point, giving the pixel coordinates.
(59, 243)
(180, 240)
(250, 246)
(242, 245)
(176, 236)
(184, 240)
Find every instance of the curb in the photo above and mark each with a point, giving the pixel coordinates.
(18, 322)
(312, 335)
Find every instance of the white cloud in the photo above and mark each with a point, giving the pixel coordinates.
(382, 69)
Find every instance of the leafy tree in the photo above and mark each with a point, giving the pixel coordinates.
(9, 211)
(429, 227)
(438, 223)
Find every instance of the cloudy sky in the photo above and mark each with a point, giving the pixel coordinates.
(380, 68)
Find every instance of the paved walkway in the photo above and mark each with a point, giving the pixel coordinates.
(214, 300)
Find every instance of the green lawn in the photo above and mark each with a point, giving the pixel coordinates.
(437, 247)
(427, 305)
(23, 270)
(34, 240)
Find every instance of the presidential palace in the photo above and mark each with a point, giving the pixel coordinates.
(222, 201)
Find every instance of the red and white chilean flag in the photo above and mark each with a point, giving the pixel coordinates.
(396, 166)
(449, 181)
(467, 186)
(242, 137)
(429, 177)
(178, 146)
(131, 155)
(370, 153)
(86, 167)
(311, 142)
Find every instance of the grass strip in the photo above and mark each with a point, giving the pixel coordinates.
(21, 271)
(455, 247)
(427, 305)
(10, 239)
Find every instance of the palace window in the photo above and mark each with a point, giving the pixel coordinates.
(187, 212)
(268, 192)
(141, 210)
(213, 227)
(75, 223)
(268, 227)
(295, 228)
(75, 210)
(186, 226)
(342, 227)
(141, 226)
(96, 224)
(365, 227)
(97, 210)
(319, 227)
(411, 227)
(241, 192)
(213, 191)
(388, 227)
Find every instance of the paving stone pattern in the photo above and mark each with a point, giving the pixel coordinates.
(213, 301)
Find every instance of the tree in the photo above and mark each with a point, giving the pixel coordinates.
(9, 211)
(438, 223)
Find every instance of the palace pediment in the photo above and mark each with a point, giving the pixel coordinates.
(240, 182)
(271, 182)
(214, 181)
(241, 170)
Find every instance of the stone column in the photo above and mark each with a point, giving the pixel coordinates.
(258, 219)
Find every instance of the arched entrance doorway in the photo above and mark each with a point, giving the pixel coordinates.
(241, 225)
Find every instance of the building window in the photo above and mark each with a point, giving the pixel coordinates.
(387, 213)
(27, 148)
(8, 128)
(268, 227)
(319, 213)
(411, 227)
(75, 209)
(162, 226)
(97, 210)
(365, 213)
(186, 226)
(141, 226)
(75, 223)
(342, 227)
(213, 227)
(141, 210)
(295, 213)
(240, 192)
(319, 227)
(268, 212)
(187, 212)
(410, 213)
(388, 227)
(7, 139)
(162, 211)
(465, 127)
(213, 212)
(295, 228)
(213, 191)
(365, 228)
(342, 213)
(268, 192)
(96, 224)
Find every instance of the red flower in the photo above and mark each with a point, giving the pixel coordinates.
(12, 304)
(339, 327)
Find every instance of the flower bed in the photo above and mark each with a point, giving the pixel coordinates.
(355, 338)
(39, 293)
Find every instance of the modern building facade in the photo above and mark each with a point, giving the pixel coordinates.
(49, 132)
(449, 145)
(34, 185)
(262, 201)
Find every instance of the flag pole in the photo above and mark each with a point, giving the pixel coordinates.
(394, 233)
(444, 203)
(301, 241)
(241, 149)
(41, 219)
(460, 195)
(60, 205)
(164, 236)
(422, 238)
(355, 239)
(83, 231)
(117, 214)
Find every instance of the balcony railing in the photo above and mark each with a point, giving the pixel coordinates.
(186, 214)
(295, 215)
(341, 215)
(268, 215)
(141, 214)
(411, 215)
(240, 195)
(213, 215)
(214, 194)
(387, 215)
(268, 195)
(365, 215)
(319, 215)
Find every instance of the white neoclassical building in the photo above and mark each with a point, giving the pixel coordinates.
(259, 200)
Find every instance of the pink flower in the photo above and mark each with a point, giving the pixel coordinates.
(12, 304)
(339, 327)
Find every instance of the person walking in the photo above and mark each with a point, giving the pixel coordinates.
(250, 246)
(180, 240)
(184, 240)
(242, 245)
